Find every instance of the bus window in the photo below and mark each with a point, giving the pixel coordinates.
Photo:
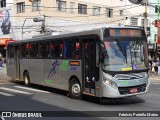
(56, 48)
(10, 51)
(24, 50)
(43, 49)
(71, 49)
(67, 48)
(33, 50)
(52, 48)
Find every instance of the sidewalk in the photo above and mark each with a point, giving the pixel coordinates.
(155, 77)
(3, 74)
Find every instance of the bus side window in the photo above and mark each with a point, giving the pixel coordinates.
(77, 51)
(24, 50)
(52, 48)
(43, 49)
(34, 50)
(58, 49)
(67, 48)
(71, 48)
(10, 51)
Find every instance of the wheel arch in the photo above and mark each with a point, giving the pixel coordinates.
(73, 77)
(25, 71)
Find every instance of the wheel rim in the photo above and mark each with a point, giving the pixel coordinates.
(26, 80)
(76, 89)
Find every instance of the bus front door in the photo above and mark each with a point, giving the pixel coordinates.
(89, 66)
(17, 62)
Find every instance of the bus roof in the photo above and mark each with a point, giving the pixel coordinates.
(71, 34)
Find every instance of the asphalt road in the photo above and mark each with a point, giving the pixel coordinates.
(16, 97)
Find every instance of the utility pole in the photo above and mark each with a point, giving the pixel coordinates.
(145, 13)
(145, 16)
(43, 27)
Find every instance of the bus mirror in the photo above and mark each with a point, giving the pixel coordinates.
(142, 59)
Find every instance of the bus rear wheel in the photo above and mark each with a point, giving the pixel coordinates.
(75, 89)
(26, 79)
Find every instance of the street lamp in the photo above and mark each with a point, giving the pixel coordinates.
(40, 19)
(23, 25)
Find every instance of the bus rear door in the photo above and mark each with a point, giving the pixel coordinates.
(17, 62)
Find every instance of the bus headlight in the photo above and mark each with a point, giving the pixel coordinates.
(109, 82)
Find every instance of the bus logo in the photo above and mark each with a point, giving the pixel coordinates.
(53, 70)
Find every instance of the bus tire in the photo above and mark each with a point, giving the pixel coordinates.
(75, 91)
(26, 79)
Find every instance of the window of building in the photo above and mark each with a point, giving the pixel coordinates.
(82, 9)
(96, 11)
(71, 7)
(121, 13)
(142, 22)
(71, 48)
(33, 50)
(134, 21)
(25, 50)
(56, 49)
(36, 5)
(44, 50)
(61, 5)
(3, 3)
(20, 7)
(109, 12)
(155, 37)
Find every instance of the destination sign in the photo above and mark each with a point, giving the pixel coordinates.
(125, 33)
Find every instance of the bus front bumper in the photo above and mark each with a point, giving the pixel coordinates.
(110, 92)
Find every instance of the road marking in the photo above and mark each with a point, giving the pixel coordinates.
(32, 89)
(16, 91)
(6, 94)
(152, 94)
(155, 83)
(1, 117)
(6, 83)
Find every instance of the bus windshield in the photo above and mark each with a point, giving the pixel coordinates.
(123, 55)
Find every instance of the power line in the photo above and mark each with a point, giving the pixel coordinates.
(39, 6)
(94, 23)
(86, 15)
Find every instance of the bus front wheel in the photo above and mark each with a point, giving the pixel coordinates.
(26, 79)
(75, 89)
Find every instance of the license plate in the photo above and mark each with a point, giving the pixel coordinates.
(133, 90)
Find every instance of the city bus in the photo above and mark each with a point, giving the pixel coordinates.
(109, 62)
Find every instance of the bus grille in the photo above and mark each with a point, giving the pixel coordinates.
(129, 76)
(126, 90)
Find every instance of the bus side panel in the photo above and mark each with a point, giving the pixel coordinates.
(35, 69)
(69, 68)
(58, 72)
(51, 72)
(10, 67)
(22, 68)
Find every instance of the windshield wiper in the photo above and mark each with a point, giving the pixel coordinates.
(121, 49)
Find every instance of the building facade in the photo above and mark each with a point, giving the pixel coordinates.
(6, 22)
(65, 15)
(71, 15)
